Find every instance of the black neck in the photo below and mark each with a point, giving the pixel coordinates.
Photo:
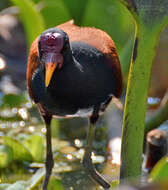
(68, 57)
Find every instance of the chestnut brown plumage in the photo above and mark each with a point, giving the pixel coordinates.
(73, 72)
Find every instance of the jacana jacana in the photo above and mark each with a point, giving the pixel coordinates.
(73, 72)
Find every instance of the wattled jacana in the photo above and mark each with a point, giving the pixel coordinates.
(73, 72)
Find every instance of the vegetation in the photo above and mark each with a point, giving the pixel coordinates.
(135, 28)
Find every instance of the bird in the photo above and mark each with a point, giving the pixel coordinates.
(73, 71)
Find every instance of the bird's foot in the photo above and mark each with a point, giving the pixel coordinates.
(94, 174)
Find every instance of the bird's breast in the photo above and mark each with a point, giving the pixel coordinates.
(79, 87)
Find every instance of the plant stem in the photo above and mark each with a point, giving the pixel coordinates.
(157, 118)
(136, 97)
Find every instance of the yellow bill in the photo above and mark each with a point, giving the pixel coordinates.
(50, 67)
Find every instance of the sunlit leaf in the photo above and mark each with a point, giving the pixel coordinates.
(31, 18)
(4, 186)
(160, 171)
(10, 119)
(19, 185)
(125, 57)
(20, 152)
(6, 156)
(35, 144)
(25, 185)
(13, 100)
(55, 184)
(36, 179)
(151, 17)
(115, 183)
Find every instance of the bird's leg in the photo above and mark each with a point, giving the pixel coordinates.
(49, 156)
(87, 160)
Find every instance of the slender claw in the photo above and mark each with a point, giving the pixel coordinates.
(87, 161)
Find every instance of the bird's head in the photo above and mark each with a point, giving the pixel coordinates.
(51, 46)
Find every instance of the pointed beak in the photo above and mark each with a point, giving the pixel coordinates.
(50, 68)
(52, 61)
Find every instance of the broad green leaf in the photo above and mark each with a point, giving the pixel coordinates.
(115, 183)
(36, 179)
(151, 17)
(20, 152)
(54, 13)
(6, 156)
(55, 184)
(13, 100)
(19, 185)
(31, 19)
(125, 57)
(111, 17)
(35, 144)
(160, 171)
(25, 185)
(36, 1)
(76, 9)
(151, 13)
(10, 119)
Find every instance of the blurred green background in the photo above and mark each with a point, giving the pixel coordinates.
(22, 132)
(108, 15)
(22, 137)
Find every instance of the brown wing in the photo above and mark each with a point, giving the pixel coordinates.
(94, 37)
(33, 63)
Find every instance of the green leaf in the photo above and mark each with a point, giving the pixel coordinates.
(115, 183)
(36, 179)
(151, 13)
(125, 57)
(28, 185)
(32, 20)
(54, 13)
(76, 9)
(13, 100)
(35, 144)
(55, 184)
(19, 185)
(151, 17)
(20, 152)
(111, 17)
(6, 156)
(160, 171)
(4, 186)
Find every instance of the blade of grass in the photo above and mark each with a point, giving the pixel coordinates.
(32, 20)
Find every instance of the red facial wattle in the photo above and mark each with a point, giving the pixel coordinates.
(51, 45)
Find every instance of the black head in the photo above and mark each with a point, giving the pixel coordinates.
(52, 45)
